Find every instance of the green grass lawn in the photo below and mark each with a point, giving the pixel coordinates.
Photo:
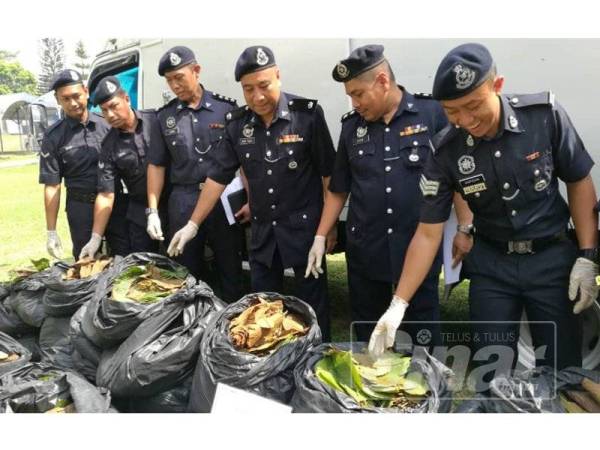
(7, 156)
(11, 143)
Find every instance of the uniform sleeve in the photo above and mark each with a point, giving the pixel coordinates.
(158, 154)
(321, 150)
(224, 161)
(106, 169)
(341, 177)
(571, 159)
(437, 191)
(50, 170)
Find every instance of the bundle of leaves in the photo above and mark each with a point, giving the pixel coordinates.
(87, 267)
(265, 326)
(147, 283)
(8, 357)
(37, 265)
(385, 383)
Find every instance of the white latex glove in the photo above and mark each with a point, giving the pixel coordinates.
(53, 244)
(583, 280)
(182, 237)
(384, 334)
(153, 227)
(91, 248)
(315, 257)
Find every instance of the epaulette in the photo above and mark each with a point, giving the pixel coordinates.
(541, 98)
(53, 127)
(302, 104)
(423, 95)
(348, 115)
(236, 113)
(443, 136)
(224, 98)
(169, 103)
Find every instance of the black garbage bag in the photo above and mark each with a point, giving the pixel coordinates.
(84, 367)
(107, 322)
(174, 400)
(270, 376)
(15, 355)
(86, 354)
(63, 297)
(163, 350)
(39, 387)
(313, 396)
(55, 343)
(10, 322)
(32, 343)
(26, 298)
(530, 391)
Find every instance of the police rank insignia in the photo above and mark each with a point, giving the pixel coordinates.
(174, 59)
(466, 164)
(429, 187)
(470, 141)
(171, 122)
(473, 184)
(361, 132)
(290, 139)
(464, 76)
(342, 70)
(261, 57)
(414, 156)
(413, 129)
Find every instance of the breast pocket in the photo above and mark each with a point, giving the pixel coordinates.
(414, 151)
(534, 177)
(251, 160)
(127, 162)
(71, 155)
(178, 149)
(362, 160)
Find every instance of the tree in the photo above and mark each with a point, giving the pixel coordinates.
(52, 60)
(13, 77)
(82, 56)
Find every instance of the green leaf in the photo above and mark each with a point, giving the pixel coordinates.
(415, 384)
(40, 264)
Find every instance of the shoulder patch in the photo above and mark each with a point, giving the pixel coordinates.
(224, 98)
(302, 104)
(348, 115)
(53, 127)
(423, 95)
(443, 136)
(522, 101)
(236, 113)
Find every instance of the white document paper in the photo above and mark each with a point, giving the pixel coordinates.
(234, 186)
(450, 275)
(231, 400)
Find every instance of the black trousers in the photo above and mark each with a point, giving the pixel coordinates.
(80, 216)
(369, 299)
(311, 290)
(223, 239)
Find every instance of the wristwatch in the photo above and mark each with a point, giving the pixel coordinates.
(469, 230)
(151, 211)
(589, 253)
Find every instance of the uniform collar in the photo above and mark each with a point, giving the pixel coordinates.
(205, 101)
(138, 126)
(407, 103)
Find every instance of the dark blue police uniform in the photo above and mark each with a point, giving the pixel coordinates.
(521, 258)
(380, 165)
(284, 164)
(123, 157)
(70, 150)
(186, 138)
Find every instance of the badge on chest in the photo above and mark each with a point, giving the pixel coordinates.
(473, 184)
(362, 136)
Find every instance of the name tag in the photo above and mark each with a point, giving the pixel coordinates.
(360, 140)
(171, 131)
(247, 141)
(473, 184)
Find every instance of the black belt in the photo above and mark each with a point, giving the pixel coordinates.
(81, 196)
(525, 246)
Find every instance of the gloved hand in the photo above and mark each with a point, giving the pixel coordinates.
(182, 237)
(53, 244)
(583, 280)
(153, 227)
(384, 334)
(315, 257)
(90, 249)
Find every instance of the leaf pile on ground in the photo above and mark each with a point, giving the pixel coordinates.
(147, 283)
(87, 267)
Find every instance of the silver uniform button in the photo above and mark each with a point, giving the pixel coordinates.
(390, 231)
(197, 139)
(388, 168)
(270, 190)
(274, 222)
(387, 130)
(273, 206)
(537, 172)
(268, 133)
(387, 148)
(195, 120)
(505, 186)
(353, 228)
(247, 155)
(360, 152)
(173, 142)
(513, 213)
(388, 189)
(514, 100)
(304, 216)
(291, 152)
(498, 154)
(269, 172)
(389, 210)
(200, 159)
(415, 143)
(477, 195)
(269, 153)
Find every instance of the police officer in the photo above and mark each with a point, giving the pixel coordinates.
(123, 157)
(70, 150)
(189, 128)
(384, 144)
(504, 154)
(284, 147)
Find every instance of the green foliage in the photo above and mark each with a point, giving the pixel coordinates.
(14, 78)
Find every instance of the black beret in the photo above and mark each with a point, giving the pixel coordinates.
(175, 58)
(360, 60)
(254, 59)
(107, 88)
(65, 78)
(461, 71)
